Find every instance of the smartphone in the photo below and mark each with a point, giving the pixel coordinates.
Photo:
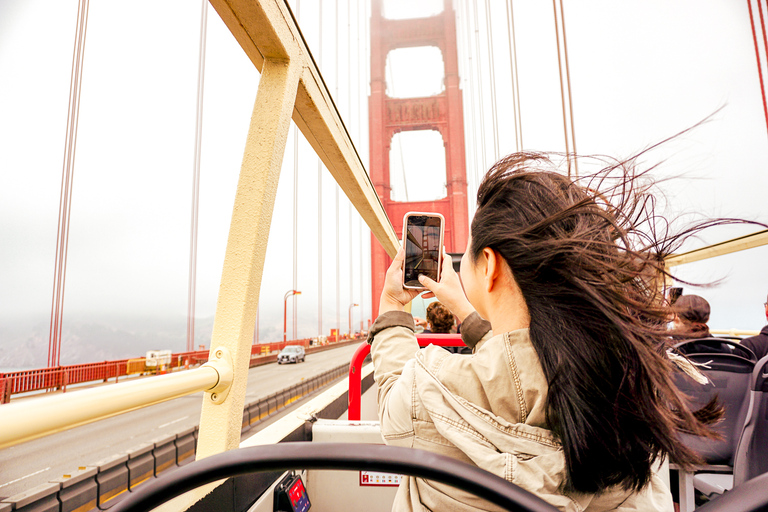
(423, 241)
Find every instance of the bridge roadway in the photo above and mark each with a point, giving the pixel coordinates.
(38, 461)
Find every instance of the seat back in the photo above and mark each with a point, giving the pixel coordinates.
(752, 452)
(729, 368)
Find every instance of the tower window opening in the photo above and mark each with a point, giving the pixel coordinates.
(417, 166)
(415, 72)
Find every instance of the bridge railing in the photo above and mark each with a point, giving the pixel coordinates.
(58, 378)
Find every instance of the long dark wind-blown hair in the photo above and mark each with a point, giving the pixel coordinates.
(588, 258)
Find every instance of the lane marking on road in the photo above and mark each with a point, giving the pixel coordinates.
(172, 422)
(27, 476)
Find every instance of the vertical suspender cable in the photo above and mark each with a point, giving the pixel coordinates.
(65, 197)
(491, 66)
(192, 284)
(562, 61)
(349, 116)
(462, 46)
(295, 225)
(361, 71)
(295, 206)
(757, 53)
(320, 195)
(471, 73)
(479, 90)
(513, 68)
(400, 143)
(568, 82)
(562, 92)
(338, 268)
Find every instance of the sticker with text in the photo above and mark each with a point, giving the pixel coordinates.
(376, 479)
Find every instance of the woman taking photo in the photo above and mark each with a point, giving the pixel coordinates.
(567, 392)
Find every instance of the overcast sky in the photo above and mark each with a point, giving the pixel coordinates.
(640, 72)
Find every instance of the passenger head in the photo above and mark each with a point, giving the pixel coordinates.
(587, 260)
(440, 318)
(765, 307)
(691, 316)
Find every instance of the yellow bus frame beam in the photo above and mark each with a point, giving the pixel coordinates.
(741, 243)
(290, 86)
(266, 28)
(246, 249)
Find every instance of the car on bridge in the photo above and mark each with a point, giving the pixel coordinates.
(291, 354)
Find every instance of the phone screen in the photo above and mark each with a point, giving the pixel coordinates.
(422, 249)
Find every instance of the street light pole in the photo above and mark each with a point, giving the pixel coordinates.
(350, 318)
(289, 293)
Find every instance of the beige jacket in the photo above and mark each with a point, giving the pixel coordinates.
(485, 409)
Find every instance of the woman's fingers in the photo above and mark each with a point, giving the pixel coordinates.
(447, 261)
(449, 290)
(393, 295)
(399, 257)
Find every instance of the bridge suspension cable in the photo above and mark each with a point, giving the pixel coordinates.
(360, 137)
(65, 197)
(513, 70)
(565, 87)
(192, 284)
(295, 302)
(295, 226)
(349, 117)
(479, 91)
(336, 186)
(320, 192)
(757, 51)
(491, 66)
(465, 56)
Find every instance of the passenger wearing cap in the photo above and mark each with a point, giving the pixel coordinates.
(691, 317)
(759, 344)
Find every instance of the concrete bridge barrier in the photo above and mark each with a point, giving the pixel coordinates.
(254, 413)
(112, 479)
(141, 465)
(79, 490)
(164, 453)
(186, 443)
(42, 498)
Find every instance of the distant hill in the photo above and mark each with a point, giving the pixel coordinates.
(24, 343)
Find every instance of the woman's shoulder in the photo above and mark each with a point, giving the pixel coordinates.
(503, 376)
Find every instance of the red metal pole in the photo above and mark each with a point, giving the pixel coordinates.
(356, 366)
(3, 386)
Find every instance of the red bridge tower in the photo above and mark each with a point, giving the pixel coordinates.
(442, 113)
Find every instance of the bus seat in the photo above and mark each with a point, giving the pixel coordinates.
(728, 366)
(350, 490)
(752, 452)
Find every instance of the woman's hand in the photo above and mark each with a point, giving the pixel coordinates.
(394, 297)
(449, 290)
